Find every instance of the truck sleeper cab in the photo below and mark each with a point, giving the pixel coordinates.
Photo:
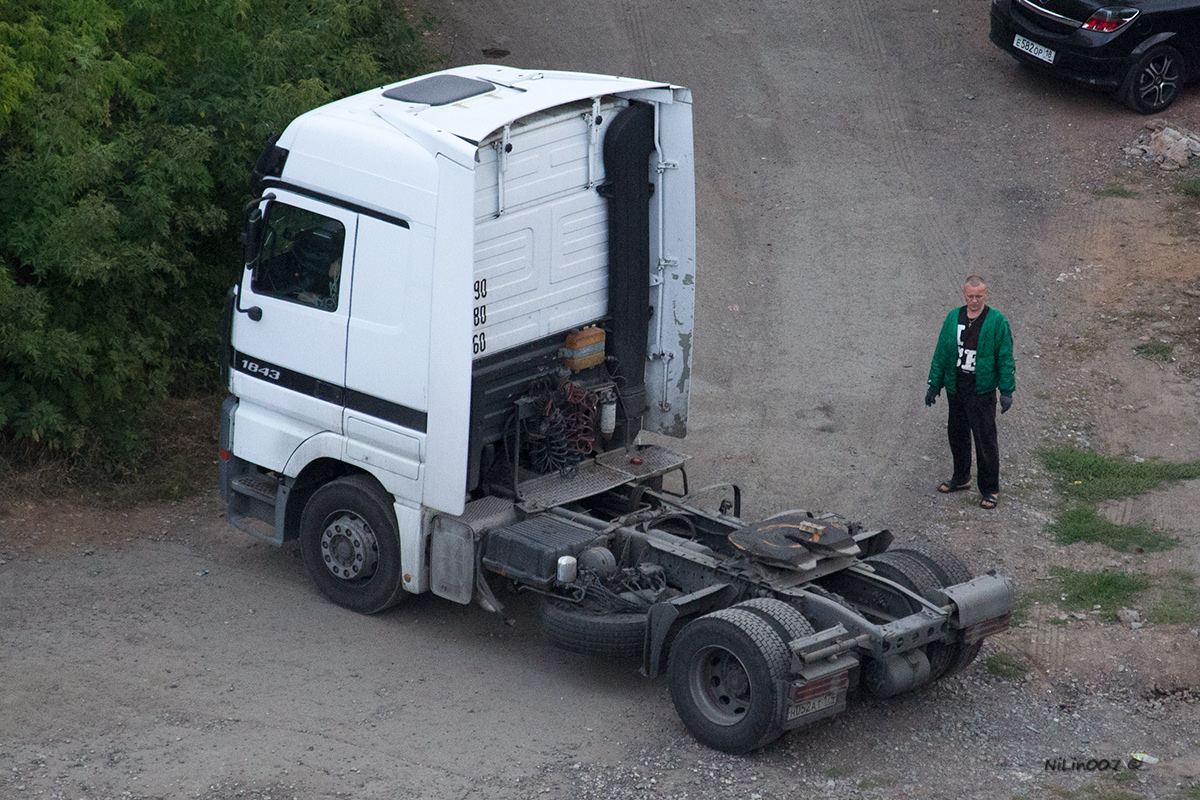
(465, 297)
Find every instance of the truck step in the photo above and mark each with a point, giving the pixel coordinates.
(257, 486)
(605, 471)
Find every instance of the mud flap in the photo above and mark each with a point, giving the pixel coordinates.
(982, 606)
(663, 615)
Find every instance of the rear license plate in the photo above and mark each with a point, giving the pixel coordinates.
(806, 707)
(1034, 49)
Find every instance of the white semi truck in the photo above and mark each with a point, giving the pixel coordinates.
(465, 297)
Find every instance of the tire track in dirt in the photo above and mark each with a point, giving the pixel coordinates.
(893, 123)
(1050, 641)
(633, 18)
(1172, 511)
(863, 32)
(909, 248)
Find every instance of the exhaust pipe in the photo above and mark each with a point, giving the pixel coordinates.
(628, 144)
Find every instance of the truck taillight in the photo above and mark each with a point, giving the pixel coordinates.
(225, 454)
(829, 685)
(1110, 20)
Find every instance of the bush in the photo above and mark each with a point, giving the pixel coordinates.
(127, 132)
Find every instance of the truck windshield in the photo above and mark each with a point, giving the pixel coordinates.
(301, 257)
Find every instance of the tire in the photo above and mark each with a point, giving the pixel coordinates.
(945, 563)
(957, 659)
(1153, 82)
(725, 672)
(351, 545)
(787, 621)
(918, 569)
(593, 633)
(952, 570)
(908, 571)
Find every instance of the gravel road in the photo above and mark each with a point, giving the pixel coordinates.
(855, 162)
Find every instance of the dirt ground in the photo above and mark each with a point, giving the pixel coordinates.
(854, 163)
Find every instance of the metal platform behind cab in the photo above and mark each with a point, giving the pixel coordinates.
(605, 471)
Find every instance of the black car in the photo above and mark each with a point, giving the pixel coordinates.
(1143, 50)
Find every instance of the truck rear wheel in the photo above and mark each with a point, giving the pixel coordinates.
(907, 570)
(787, 620)
(351, 545)
(944, 562)
(725, 672)
(948, 658)
(923, 569)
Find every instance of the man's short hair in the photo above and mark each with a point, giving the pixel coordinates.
(974, 280)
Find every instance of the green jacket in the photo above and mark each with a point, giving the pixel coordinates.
(994, 366)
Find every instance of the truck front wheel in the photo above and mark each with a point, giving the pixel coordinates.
(725, 669)
(351, 545)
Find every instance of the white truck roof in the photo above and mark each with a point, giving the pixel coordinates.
(497, 96)
(350, 148)
(469, 103)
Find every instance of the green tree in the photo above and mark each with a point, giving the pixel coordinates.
(127, 132)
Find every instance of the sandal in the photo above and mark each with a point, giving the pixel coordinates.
(988, 501)
(948, 486)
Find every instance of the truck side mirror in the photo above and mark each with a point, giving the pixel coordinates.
(252, 233)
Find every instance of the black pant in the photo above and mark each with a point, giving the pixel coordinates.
(974, 416)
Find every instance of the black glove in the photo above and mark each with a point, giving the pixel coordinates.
(931, 396)
(1005, 402)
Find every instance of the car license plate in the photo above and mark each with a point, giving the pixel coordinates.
(806, 707)
(1034, 49)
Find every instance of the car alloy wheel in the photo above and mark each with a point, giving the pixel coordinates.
(1153, 82)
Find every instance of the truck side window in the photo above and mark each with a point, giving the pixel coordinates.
(301, 257)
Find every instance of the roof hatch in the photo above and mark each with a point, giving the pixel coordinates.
(439, 90)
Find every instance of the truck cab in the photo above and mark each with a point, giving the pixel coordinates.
(419, 255)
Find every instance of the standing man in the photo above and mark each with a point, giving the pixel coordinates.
(973, 357)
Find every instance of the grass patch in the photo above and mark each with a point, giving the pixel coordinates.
(1170, 598)
(1108, 589)
(1082, 524)
(839, 772)
(1116, 190)
(1176, 600)
(1024, 607)
(1190, 187)
(1155, 351)
(1086, 475)
(1006, 666)
(1087, 344)
(1126, 776)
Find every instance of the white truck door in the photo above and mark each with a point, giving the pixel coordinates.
(292, 358)
(387, 354)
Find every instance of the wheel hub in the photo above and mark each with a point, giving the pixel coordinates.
(720, 685)
(1158, 81)
(348, 547)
